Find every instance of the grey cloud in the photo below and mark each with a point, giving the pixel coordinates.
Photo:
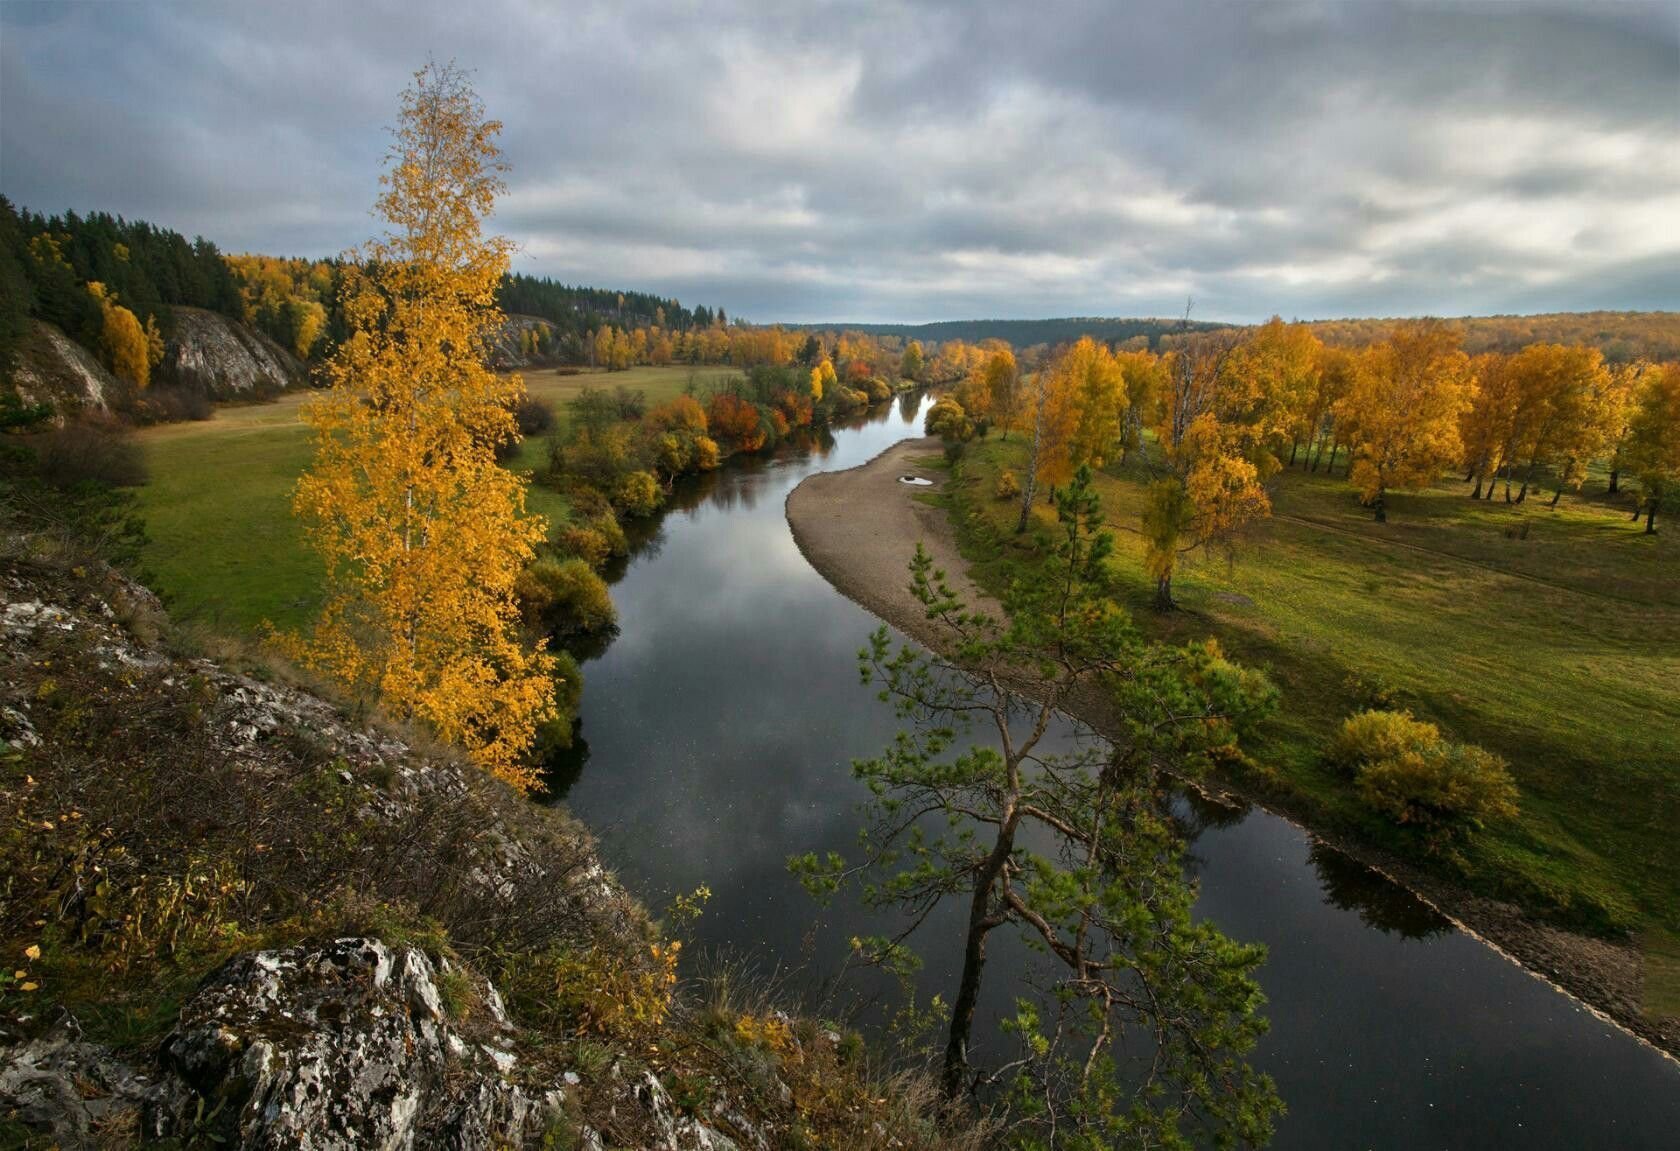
(914, 160)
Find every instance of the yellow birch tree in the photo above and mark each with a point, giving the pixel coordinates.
(423, 535)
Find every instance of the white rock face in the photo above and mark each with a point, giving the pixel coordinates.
(334, 1048)
(225, 358)
(56, 370)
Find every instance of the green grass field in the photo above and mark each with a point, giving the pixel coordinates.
(1559, 650)
(224, 549)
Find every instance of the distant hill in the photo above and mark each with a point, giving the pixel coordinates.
(1621, 336)
(1026, 333)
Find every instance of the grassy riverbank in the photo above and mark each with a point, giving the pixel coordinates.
(1551, 636)
(224, 549)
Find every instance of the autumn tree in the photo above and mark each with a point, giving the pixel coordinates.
(1621, 405)
(1402, 413)
(1654, 440)
(1270, 382)
(1213, 460)
(423, 535)
(823, 380)
(130, 349)
(1048, 416)
(1074, 850)
(1144, 379)
(1562, 394)
(1002, 382)
(911, 366)
(1096, 388)
(1487, 425)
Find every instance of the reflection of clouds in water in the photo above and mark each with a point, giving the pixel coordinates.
(721, 726)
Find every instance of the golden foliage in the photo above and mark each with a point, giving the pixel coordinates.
(1402, 413)
(423, 535)
(130, 350)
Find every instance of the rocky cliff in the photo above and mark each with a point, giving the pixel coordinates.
(226, 360)
(55, 370)
(511, 349)
(236, 915)
(208, 354)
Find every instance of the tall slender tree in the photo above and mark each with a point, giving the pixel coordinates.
(423, 535)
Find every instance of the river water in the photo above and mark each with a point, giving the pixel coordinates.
(717, 733)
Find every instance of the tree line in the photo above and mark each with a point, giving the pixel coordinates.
(76, 271)
(1223, 412)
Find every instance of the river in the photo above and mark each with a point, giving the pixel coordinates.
(720, 726)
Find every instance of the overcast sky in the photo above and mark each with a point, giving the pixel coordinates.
(913, 161)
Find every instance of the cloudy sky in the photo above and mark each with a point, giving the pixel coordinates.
(914, 161)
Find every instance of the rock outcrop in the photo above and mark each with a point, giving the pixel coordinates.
(55, 370)
(510, 350)
(329, 1044)
(226, 360)
(339, 1047)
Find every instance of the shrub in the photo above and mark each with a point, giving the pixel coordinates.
(735, 420)
(1007, 486)
(1376, 735)
(947, 420)
(845, 399)
(706, 455)
(98, 452)
(533, 416)
(580, 541)
(639, 495)
(1443, 784)
(1406, 771)
(176, 403)
(564, 597)
(607, 524)
(876, 389)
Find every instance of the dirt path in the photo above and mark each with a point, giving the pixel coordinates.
(860, 527)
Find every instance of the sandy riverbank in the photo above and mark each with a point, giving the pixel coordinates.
(860, 527)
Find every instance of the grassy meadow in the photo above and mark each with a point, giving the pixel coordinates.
(223, 547)
(1548, 635)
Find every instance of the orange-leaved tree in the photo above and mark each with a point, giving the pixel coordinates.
(1402, 413)
(1654, 450)
(423, 534)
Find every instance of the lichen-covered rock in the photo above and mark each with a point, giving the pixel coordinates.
(335, 1048)
(79, 1093)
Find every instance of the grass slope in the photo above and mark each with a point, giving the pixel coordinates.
(1559, 649)
(224, 549)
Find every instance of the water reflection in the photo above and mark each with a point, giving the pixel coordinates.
(1386, 906)
(720, 726)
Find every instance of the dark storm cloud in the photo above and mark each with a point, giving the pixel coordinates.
(915, 160)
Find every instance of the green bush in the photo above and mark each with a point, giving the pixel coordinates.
(639, 495)
(581, 541)
(564, 597)
(877, 389)
(1375, 735)
(1444, 784)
